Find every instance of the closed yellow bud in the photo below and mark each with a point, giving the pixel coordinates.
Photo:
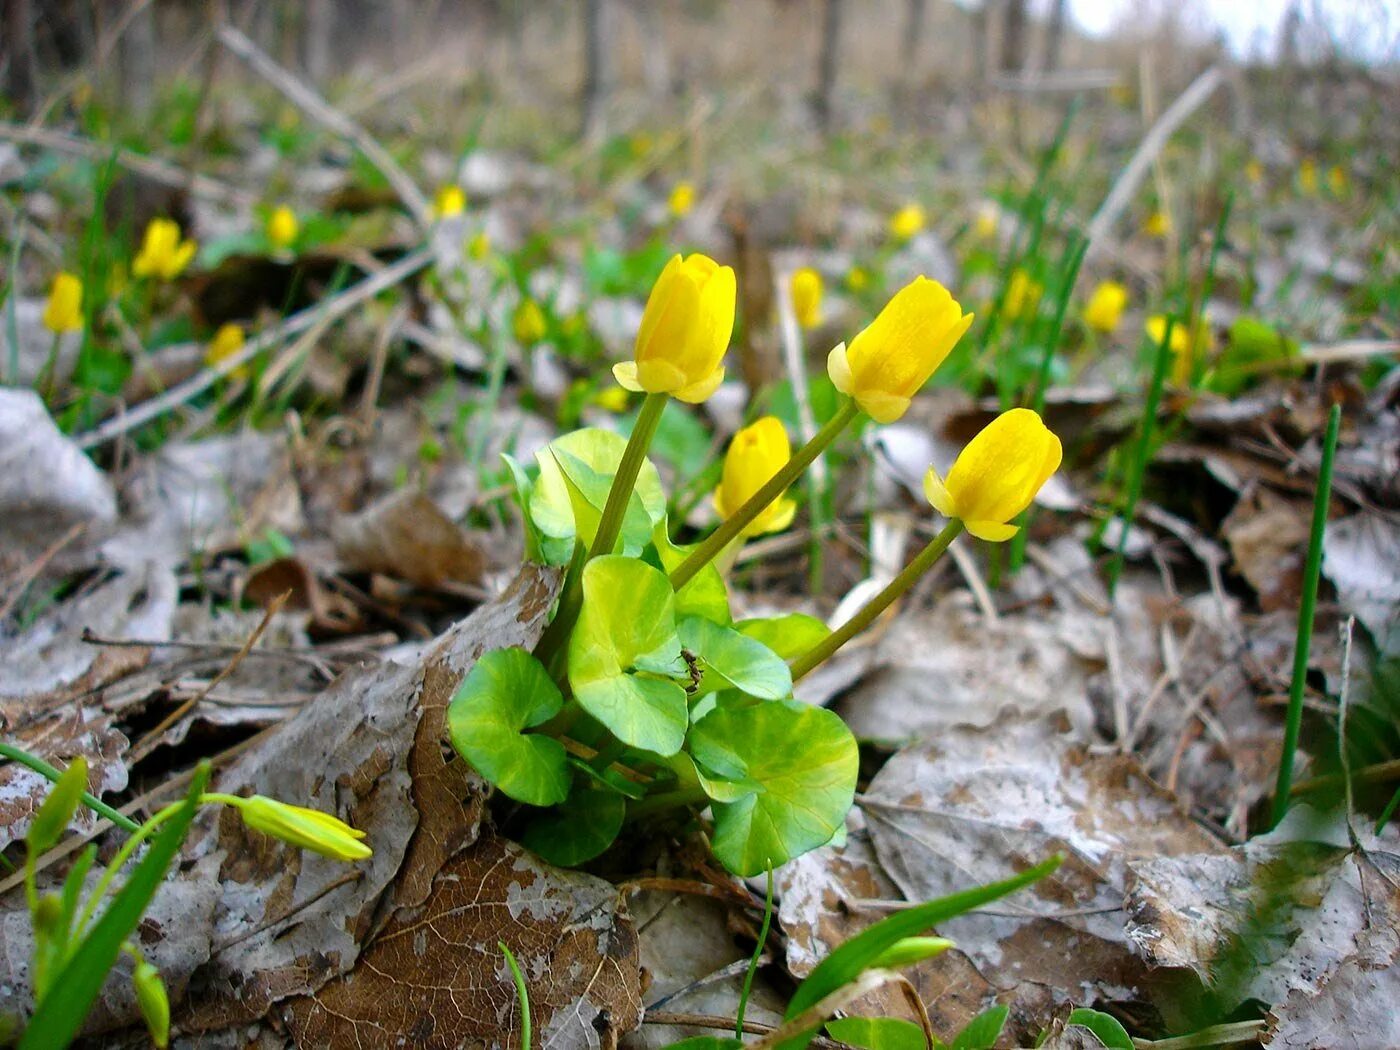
(1337, 180)
(63, 312)
(163, 254)
(889, 360)
(1105, 307)
(907, 222)
(996, 475)
(304, 828)
(227, 341)
(479, 247)
(685, 331)
(153, 1002)
(282, 227)
(1184, 349)
(1023, 294)
(1307, 176)
(755, 454)
(1158, 224)
(612, 398)
(807, 297)
(857, 280)
(449, 201)
(682, 199)
(529, 323)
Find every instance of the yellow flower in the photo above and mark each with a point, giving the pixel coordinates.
(857, 279)
(1254, 172)
(807, 297)
(1337, 180)
(1158, 224)
(906, 222)
(1307, 176)
(449, 201)
(685, 331)
(996, 475)
(227, 341)
(755, 454)
(1022, 295)
(682, 199)
(889, 360)
(63, 312)
(641, 144)
(613, 399)
(1105, 307)
(987, 221)
(479, 247)
(1185, 350)
(282, 227)
(162, 252)
(528, 323)
(305, 828)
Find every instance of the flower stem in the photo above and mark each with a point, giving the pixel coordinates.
(625, 480)
(41, 767)
(868, 612)
(123, 855)
(716, 541)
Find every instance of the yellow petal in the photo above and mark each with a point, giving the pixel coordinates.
(625, 372)
(937, 494)
(701, 390)
(838, 368)
(992, 531)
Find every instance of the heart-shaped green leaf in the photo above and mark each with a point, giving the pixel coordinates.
(539, 547)
(590, 457)
(878, 1033)
(802, 761)
(704, 594)
(624, 641)
(509, 691)
(789, 636)
(578, 830)
(731, 660)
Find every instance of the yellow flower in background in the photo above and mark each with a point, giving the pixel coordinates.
(528, 323)
(1337, 180)
(227, 341)
(682, 199)
(1158, 224)
(63, 311)
(807, 297)
(1254, 172)
(907, 222)
(479, 247)
(642, 144)
(1307, 176)
(162, 253)
(1023, 294)
(613, 399)
(890, 359)
(755, 454)
(996, 475)
(449, 201)
(1105, 307)
(685, 331)
(282, 227)
(987, 220)
(305, 828)
(858, 279)
(1184, 349)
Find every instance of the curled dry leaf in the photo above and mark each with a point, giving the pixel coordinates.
(1268, 536)
(407, 536)
(1361, 556)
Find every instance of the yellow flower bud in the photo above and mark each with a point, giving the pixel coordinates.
(682, 199)
(529, 323)
(1158, 224)
(1337, 180)
(227, 341)
(996, 475)
(162, 253)
(304, 828)
(807, 297)
(1023, 294)
(857, 280)
(1254, 172)
(479, 247)
(1307, 176)
(153, 1002)
(1184, 349)
(1105, 307)
(282, 227)
(889, 360)
(449, 201)
(685, 331)
(612, 398)
(906, 222)
(988, 219)
(755, 454)
(63, 312)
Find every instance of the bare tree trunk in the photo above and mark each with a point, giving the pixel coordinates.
(19, 53)
(1013, 37)
(138, 61)
(596, 74)
(826, 62)
(1054, 35)
(317, 27)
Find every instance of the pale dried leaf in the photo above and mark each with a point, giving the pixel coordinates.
(407, 536)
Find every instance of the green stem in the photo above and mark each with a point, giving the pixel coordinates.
(868, 612)
(625, 480)
(753, 962)
(123, 855)
(1306, 609)
(734, 525)
(41, 767)
(665, 800)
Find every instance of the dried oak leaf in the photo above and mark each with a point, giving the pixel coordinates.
(434, 976)
(407, 536)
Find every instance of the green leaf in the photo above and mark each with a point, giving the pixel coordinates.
(591, 458)
(704, 594)
(588, 495)
(707, 1042)
(546, 550)
(58, 808)
(800, 763)
(847, 962)
(59, 1015)
(578, 830)
(878, 1033)
(983, 1031)
(627, 628)
(509, 691)
(731, 660)
(789, 636)
(1106, 1028)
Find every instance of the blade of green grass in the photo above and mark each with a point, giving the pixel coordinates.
(753, 962)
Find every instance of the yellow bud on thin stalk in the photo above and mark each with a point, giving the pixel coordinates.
(806, 293)
(755, 455)
(163, 254)
(1105, 307)
(282, 227)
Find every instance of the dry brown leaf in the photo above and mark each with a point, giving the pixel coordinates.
(407, 536)
(1267, 536)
